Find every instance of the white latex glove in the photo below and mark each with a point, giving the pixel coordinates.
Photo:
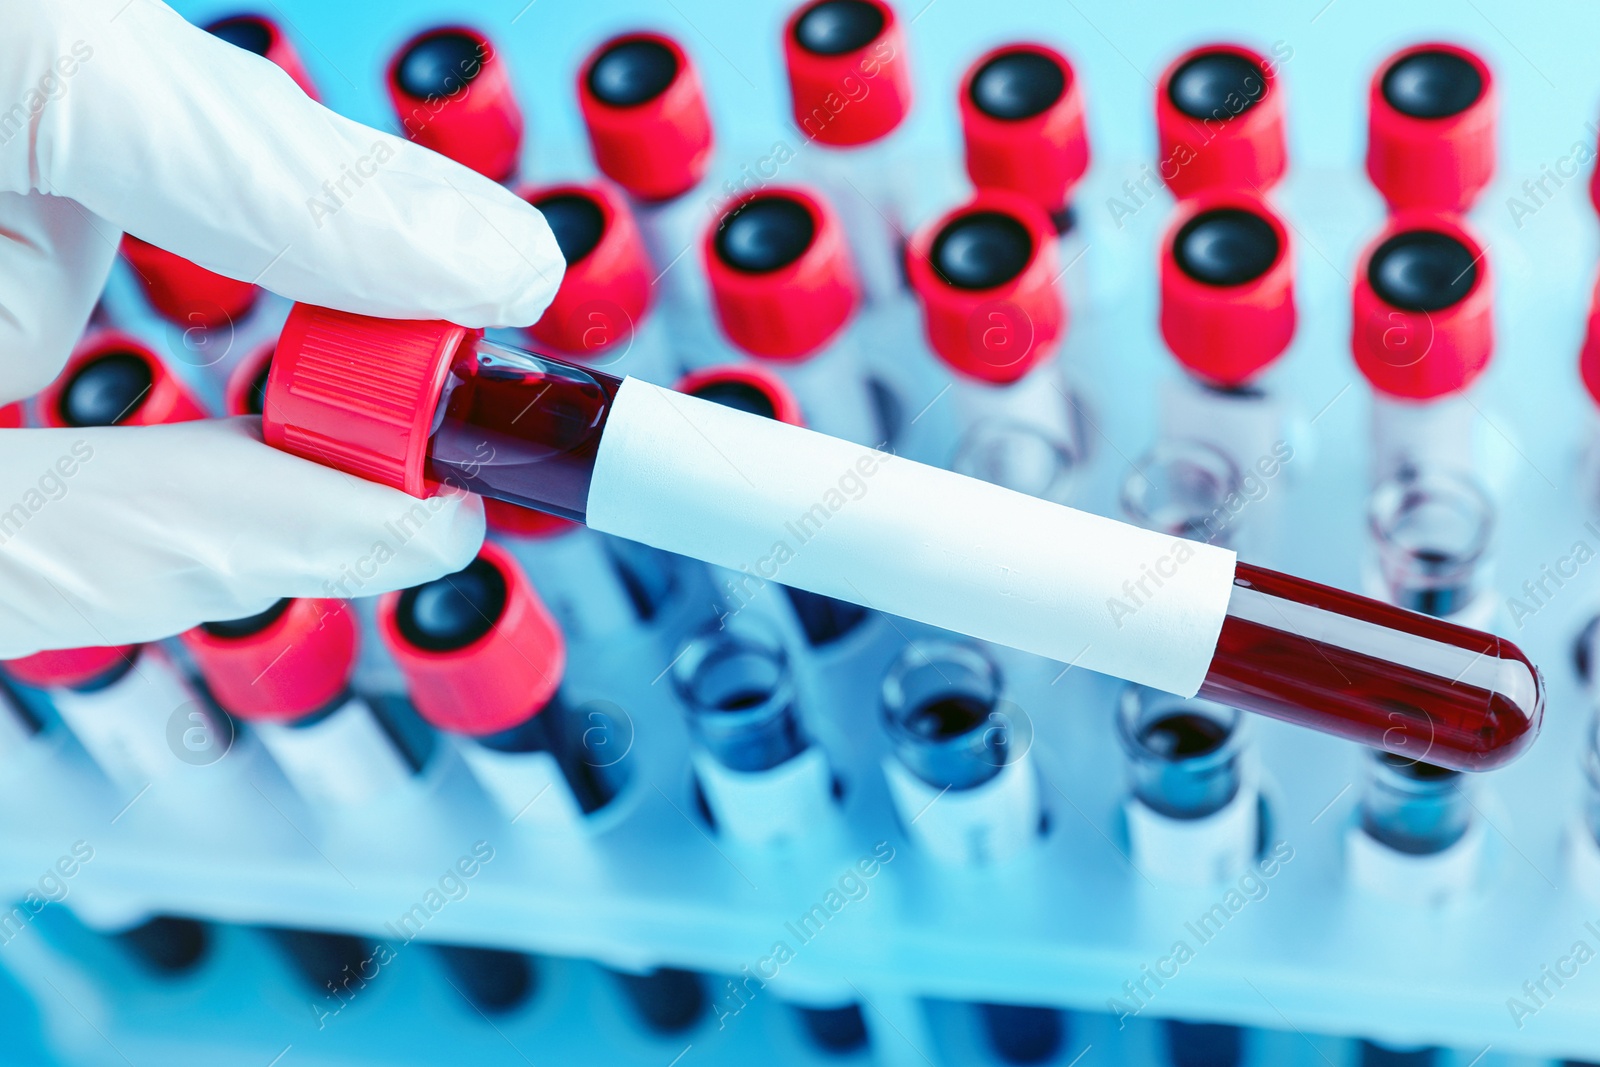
(126, 117)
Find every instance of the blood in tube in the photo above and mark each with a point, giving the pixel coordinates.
(463, 411)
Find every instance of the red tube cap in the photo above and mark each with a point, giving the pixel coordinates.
(11, 416)
(287, 662)
(606, 291)
(1227, 286)
(1219, 121)
(1431, 116)
(261, 35)
(246, 390)
(780, 273)
(1422, 323)
(114, 379)
(1022, 120)
(985, 274)
(186, 293)
(849, 82)
(450, 89)
(646, 115)
(747, 387)
(359, 394)
(69, 667)
(511, 664)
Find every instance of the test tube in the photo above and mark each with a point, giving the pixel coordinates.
(724, 486)
(985, 275)
(451, 92)
(850, 90)
(601, 315)
(130, 708)
(287, 671)
(1431, 118)
(1431, 532)
(186, 293)
(495, 981)
(1022, 124)
(1184, 489)
(668, 1000)
(1422, 334)
(1203, 1044)
(1023, 1034)
(332, 964)
(484, 661)
(1022, 458)
(165, 945)
(952, 736)
(1227, 315)
(838, 1031)
(1193, 815)
(650, 132)
(763, 780)
(1220, 120)
(785, 292)
(821, 620)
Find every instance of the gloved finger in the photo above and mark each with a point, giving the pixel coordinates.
(125, 534)
(54, 258)
(211, 152)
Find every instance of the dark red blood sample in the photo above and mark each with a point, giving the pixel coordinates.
(440, 405)
(495, 441)
(1422, 696)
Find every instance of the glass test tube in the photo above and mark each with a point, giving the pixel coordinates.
(1431, 531)
(953, 737)
(1287, 647)
(762, 779)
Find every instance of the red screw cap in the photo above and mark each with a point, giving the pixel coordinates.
(1422, 323)
(246, 390)
(1431, 128)
(849, 82)
(1219, 121)
(747, 387)
(69, 667)
(186, 293)
(359, 393)
(480, 652)
(646, 115)
(11, 416)
(606, 291)
(985, 274)
(450, 89)
(289, 661)
(780, 273)
(114, 379)
(261, 35)
(1227, 286)
(1022, 120)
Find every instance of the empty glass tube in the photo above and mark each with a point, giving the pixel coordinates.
(1431, 530)
(1184, 488)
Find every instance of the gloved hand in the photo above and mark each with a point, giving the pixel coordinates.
(118, 115)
